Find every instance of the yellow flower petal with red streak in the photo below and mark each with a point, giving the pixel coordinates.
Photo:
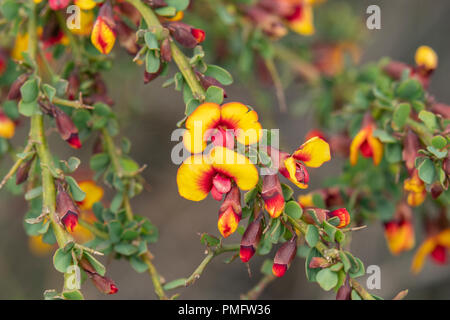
(443, 238)
(94, 193)
(197, 124)
(228, 222)
(86, 23)
(426, 57)
(236, 166)
(415, 199)
(357, 141)
(102, 36)
(39, 247)
(244, 120)
(291, 167)
(424, 250)
(86, 4)
(400, 239)
(416, 190)
(194, 178)
(313, 153)
(305, 24)
(377, 149)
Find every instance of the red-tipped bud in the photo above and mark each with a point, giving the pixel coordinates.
(67, 129)
(230, 212)
(284, 257)
(103, 284)
(126, 38)
(198, 34)
(207, 82)
(58, 4)
(14, 90)
(342, 214)
(22, 172)
(148, 77)
(250, 239)
(272, 195)
(73, 85)
(66, 209)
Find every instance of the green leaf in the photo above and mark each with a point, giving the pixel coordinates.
(360, 271)
(327, 279)
(29, 90)
(126, 249)
(220, 74)
(250, 195)
(439, 142)
(151, 41)
(49, 91)
(214, 94)
(311, 273)
(287, 191)
(97, 265)
(429, 119)
(77, 193)
(11, 110)
(138, 265)
(209, 240)
(410, 89)
(33, 193)
(180, 5)
(437, 153)
(426, 171)
(73, 295)
(10, 9)
(383, 136)
(62, 260)
(28, 109)
(293, 210)
(70, 165)
(166, 11)
(99, 161)
(312, 235)
(152, 62)
(355, 295)
(393, 152)
(329, 230)
(401, 114)
(181, 282)
(114, 231)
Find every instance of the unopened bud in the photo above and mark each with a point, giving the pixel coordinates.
(343, 215)
(284, 257)
(66, 209)
(66, 128)
(14, 90)
(24, 169)
(250, 239)
(272, 195)
(230, 212)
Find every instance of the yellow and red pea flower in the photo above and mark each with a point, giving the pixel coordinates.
(313, 153)
(272, 195)
(415, 188)
(399, 235)
(366, 143)
(221, 124)
(199, 175)
(436, 246)
(301, 18)
(86, 23)
(342, 214)
(426, 58)
(7, 126)
(103, 35)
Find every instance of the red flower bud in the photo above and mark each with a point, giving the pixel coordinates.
(207, 82)
(272, 195)
(14, 90)
(230, 212)
(166, 53)
(186, 35)
(67, 129)
(66, 209)
(250, 239)
(58, 4)
(148, 77)
(342, 214)
(345, 291)
(284, 257)
(103, 284)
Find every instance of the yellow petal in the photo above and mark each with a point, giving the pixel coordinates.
(400, 239)
(21, 45)
(357, 141)
(377, 149)
(236, 166)
(306, 200)
(86, 23)
(416, 198)
(94, 193)
(194, 178)
(243, 120)
(305, 24)
(7, 127)
(86, 4)
(291, 167)
(205, 117)
(177, 17)
(39, 247)
(228, 222)
(419, 258)
(102, 36)
(313, 152)
(427, 57)
(443, 238)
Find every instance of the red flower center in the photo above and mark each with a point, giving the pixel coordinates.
(439, 254)
(366, 149)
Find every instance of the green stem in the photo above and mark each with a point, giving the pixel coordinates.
(180, 59)
(211, 255)
(16, 165)
(256, 291)
(420, 130)
(71, 103)
(93, 229)
(111, 150)
(155, 278)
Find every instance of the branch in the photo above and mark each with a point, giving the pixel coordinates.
(16, 165)
(180, 59)
(256, 291)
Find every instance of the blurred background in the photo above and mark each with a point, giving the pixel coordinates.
(149, 114)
